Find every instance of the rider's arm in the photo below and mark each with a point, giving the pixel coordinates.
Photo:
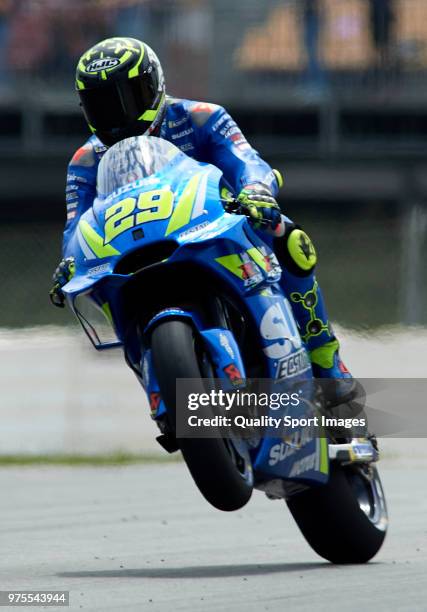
(80, 190)
(222, 143)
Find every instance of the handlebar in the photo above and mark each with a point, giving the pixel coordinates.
(232, 206)
(235, 207)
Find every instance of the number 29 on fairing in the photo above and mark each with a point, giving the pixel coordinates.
(149, 206)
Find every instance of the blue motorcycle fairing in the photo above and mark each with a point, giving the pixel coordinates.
(225, 354)
(94, 259)
(222, 247)
(219, 244)
(299, 453)
(89, 244)
(308, 463)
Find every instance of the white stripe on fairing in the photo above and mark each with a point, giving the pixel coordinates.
(84, 247)
(199, 206)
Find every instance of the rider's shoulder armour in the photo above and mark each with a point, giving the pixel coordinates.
(201, 112)
(89, 155)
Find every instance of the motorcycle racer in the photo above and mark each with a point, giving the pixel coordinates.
(122, 93)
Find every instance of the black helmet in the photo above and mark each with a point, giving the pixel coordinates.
(121, 87)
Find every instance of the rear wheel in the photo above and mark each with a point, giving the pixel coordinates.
(344, 521)
(220, 472)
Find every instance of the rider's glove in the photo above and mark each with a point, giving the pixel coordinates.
(261, 205)
(63, 273)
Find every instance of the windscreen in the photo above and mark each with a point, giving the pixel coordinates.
(133, 159)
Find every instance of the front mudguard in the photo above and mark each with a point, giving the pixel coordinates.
(220, 344)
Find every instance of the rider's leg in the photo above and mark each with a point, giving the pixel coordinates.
(298, 258)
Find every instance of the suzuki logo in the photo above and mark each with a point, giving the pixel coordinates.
(278, 325)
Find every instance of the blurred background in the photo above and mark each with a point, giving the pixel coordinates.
(331, 92)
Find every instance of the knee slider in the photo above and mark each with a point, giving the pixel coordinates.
(300, 255)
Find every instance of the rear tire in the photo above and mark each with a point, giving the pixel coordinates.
(211, 461)
(344, 521)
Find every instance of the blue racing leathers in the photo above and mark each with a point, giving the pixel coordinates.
(207, 133)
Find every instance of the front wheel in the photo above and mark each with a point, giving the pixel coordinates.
(220, 473)
(344, 521)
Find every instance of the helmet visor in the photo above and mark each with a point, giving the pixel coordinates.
(118, 104)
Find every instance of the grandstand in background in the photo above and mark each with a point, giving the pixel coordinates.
(311, 82)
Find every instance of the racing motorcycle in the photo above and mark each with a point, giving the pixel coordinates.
(190, 291)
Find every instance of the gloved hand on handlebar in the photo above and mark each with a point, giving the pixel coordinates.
(62, 275)
(261, 205)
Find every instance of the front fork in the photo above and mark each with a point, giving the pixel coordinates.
(221, 347)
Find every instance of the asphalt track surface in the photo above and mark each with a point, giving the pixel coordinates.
(142, 538)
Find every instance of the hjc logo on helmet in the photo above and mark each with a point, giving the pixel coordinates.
(102, 64)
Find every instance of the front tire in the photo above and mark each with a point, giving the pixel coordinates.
(212, 462)
(344, 521)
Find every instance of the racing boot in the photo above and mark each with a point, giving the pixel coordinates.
(328, 365)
